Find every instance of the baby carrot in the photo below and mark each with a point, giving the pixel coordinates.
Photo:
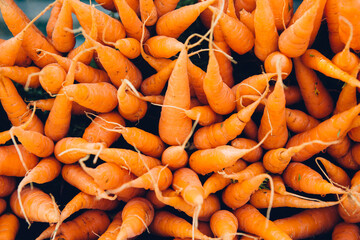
(162, 46)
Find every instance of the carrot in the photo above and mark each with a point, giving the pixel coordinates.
(346, 100)
(109, 29)
(164, 7)
(297, 121)
(26, 76)
(15, 107)
(48, 103)
(336, 174)
(16, 20)
(347, 12)
(157, 204)
(302, 178)
(274, 118)
(239, 38)
(7, 185)
(107, 4)
(245, 143)
(130, 47)
(137, 215)
(248, 5)
(266, 35)
(51, 78)
(221, 133)
(349, 209)
(238, 194)
(132, 24)
(12, 165)
(3, 205)
(196, 78)
(84, 201)
(148, 12)
(113, 229)
(160, 174)
(328, 130)
(125, 69)
(331, 12)
(76, 176)
(22, 59)
(130, 106)
(285, 64)
(252, 221)
(174, 125)
(261, 199)
(62, 37)
(9, 226)
(309, 223)
(315, 60)
(99, 97)
(38, 206)
(87, 226)
(354, 152)
(222, 156)
(97, 131)
(224, 224)
(72, 142)
(294, 41)
(165, 224)
(162, 46)
(217, 181)
(178, 25)
(276, 160)
(344, 231)
(283, 11)
(54, 13)
(247, 18)
(316, 97)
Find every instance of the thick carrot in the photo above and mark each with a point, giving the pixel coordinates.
(137, 215)
(331, 129)
(244, 143)
(12, 165)
(171, 25)
(130, 47)
(62, 37)
(294, 41)
(266, 35)
(297, 121)
(98, 130)
(38, 206)
(26, 76)
(51, 78)
(224, 224)
(302, 178)
(166, 224)
(148, 12)
(285, 63)
(7, 185)
(9, 226)
(344, 231)
(162, 46)
(16, 20)
(22, 59)
(317, 99)
(99, 97)
(174, 125)
(164, 7)
(252, 221)
(309, 223)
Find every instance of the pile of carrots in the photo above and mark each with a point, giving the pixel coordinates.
(174, 145)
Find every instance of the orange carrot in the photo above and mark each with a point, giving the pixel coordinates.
(247, 18)
(224, 224)
(164, 7)
(316, 97)
(302, 178)
(53, 18)
(285, 63)
(172, 25)
(7, 185)
(283, 11)
(130, 47)
(62, 36)
(9, 226)
(336, 174)
(297, 121)
(166, 224)
(148, 12)
(245, 143)
(51, 78)
(97, 131)
(162, 46)
(331, 12)
(266, 35)
(217, 181)
(3, 205)
(26, 76)
(38, 206)
(113, 229)
(309, 223)
(11, 163)
(349, 13)
(252, 221)
(347, 231)
(22, 59)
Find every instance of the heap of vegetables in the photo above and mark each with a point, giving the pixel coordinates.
(135, 134)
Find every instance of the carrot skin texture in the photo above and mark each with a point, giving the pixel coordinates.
(343, 231)
(9, 226)
(309, 223)
(10, 164)
(36, 205)
(20, 74)
(7, 185)
(248, 213)
(223, 224)
(297, 121)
